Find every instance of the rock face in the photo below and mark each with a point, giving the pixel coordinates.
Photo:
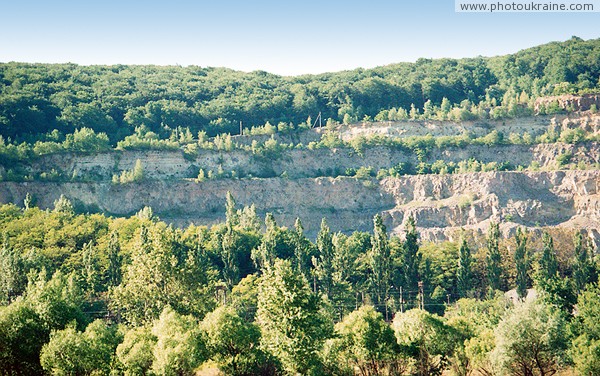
(570, 102)
(294, 183)
(441, 204)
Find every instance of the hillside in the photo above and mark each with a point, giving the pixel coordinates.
(37, 98)
(347, 175)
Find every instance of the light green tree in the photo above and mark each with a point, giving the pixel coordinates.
(180, 345)
(531, 339)
(134, 354)
(233, 342)
(70, 352)
(289, 315)
(364, 341)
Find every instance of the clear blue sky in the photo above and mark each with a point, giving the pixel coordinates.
(284, 37)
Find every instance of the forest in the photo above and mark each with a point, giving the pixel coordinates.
(119, 100)
(87, 294)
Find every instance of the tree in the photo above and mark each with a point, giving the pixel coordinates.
(552, 288)
(229, 255)
(464, 274)
(90, 268)
(531, 339)
(12, 272)
(583, 266)
(231, 214)
(585, 348)
(180, 345)
(323, 261)
(265, 254)
(135, 352)
(162, 273)
(547, 265)
(63, 205)
(302, 249)
(70, 352)
(494, 260)
(114, 260)
(22, 334)
(365, 341)
(426, 338)
(380, 261)
(521, 263)
(289, 315)
(411, 258)
(233, 342)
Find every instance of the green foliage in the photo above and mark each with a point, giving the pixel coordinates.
(585, 349)
(493, 259)
(135, 352)
(531, 339)
(233, 342)
(426, 338)
(70, 352)
(364, 341)
(464, 273)
(180, 345)
(161, 269)
(289, 315)
(521, 263)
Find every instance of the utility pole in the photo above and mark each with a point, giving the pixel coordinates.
(401, 301)
(241, 128)
(421, 295)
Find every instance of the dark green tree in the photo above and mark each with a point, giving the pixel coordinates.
(493, 260)
(464, 274)
(411, 258)
(521, 263)
(323, 261)
(380, 261)
(583, 265)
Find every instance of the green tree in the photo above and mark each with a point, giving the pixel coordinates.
(426, 338)
(231, 214)
(91, 269)
(265, 254)
(70, 352)
(547, 264)
(63, 205)
(233, 342)
(162, 272)
(464, 273)
(22, 334)
(366, 342)
(323, 261)
(380, 261)
(521, 263)
(289, 315)
(531, 340)
(585, 348)
(113, 271)
(135, 352)
(180, 345)
(583, 267)
(411, 258)
(493, 260)
(302, 249)
(12, 272)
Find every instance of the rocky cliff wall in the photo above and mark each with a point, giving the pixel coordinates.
(441, 204)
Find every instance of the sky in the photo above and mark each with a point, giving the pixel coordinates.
(282, 37)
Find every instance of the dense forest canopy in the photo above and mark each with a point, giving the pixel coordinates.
(37, 98)
(89, 294)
